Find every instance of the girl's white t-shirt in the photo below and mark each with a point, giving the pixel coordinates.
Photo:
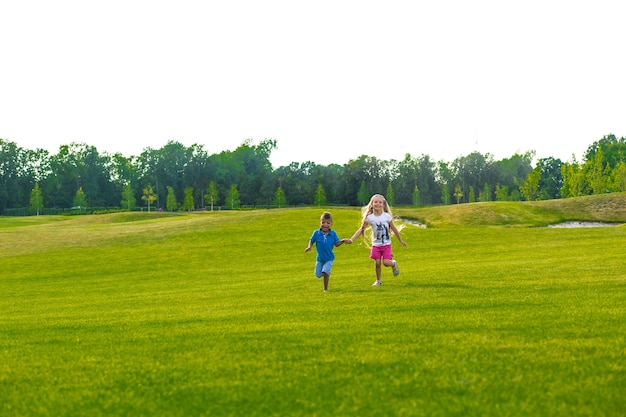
(380, 228)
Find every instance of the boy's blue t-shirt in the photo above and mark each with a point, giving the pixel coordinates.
(324, 243)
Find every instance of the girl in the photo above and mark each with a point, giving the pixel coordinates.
(377, 215)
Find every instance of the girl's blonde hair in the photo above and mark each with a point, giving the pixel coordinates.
(369, 209)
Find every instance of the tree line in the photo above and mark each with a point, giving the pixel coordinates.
(175, 177)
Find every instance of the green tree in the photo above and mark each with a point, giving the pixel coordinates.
(445, 195)
(390, 196)
(472, 195)
(252, 162)
(10, 167)
(363, 195)
(458, 193)
(232, 197)
(372, 172)
(280, 199)
(188, 201)
(613, 150)
(80, 165)
(36, 200)
(474, 170)
(551, 178)
(170, 203)
(530, 187)
(148, 195)
(80, 199)
(573, 179)
(597, 173)
(486, 194)
(416, 198)
(125, 178)
(618, 177)
(417, 172)
(512, 172)
(502, 192)
(320, 196)
(128, 197)
(212, 194)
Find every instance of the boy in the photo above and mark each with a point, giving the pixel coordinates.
(325, 240)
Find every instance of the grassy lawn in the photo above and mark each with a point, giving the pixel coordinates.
(219, 314)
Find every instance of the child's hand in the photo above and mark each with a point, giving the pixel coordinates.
(348, 241)
(308, 248)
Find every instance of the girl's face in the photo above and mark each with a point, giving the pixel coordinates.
(378, 204)
(325, 224)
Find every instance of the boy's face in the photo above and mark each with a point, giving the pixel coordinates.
(325, 224)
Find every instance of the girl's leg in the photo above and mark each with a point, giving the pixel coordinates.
(394, 264)
(326, 279)
(377, 263)
(389, 261)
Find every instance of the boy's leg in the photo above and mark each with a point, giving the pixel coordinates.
(318, 269)
(326, 273)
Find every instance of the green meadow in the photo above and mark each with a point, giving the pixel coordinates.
(219, 314)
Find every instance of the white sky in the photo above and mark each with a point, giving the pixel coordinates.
(329, 80)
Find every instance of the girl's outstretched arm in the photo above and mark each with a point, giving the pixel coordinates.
(358, 232)
(396, 232)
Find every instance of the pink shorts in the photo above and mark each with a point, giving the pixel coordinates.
(378, 252)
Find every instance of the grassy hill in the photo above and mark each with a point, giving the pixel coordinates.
(219, 314)
(604, 208)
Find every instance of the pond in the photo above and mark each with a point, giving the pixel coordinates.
(582, 224)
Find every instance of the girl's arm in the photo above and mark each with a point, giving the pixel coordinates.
(358, 232)
(396, 232)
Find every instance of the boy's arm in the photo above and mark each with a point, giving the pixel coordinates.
(310, 245)
(338, 242)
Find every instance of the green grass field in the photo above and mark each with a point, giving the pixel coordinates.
(219, 314)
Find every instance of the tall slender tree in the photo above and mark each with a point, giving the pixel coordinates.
(280, 199)
(320, 196)
(212, 194)
(188, 201)
(80, 200)
(233, 197)
(129, 202)
(170, 203)
(36, 200)
(148, 195)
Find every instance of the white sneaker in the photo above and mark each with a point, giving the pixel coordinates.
(395, 268)
(377, 283)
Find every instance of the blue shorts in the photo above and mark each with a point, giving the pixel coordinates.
(321, 267)
(378, 252)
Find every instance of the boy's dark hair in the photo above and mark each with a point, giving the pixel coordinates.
(326, 216)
